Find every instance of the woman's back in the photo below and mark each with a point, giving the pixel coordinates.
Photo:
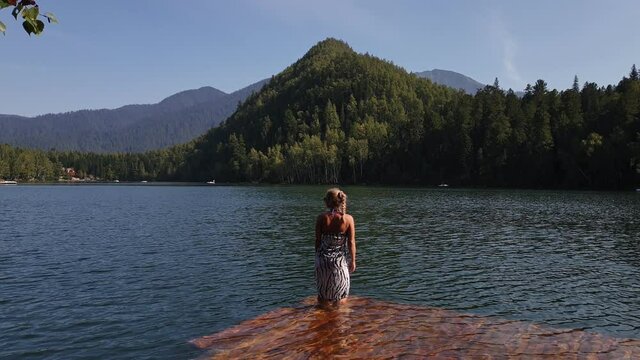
(333, 222)
(334, 233)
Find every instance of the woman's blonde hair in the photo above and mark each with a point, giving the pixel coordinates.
(336, 199)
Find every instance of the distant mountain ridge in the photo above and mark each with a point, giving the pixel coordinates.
(452, 79)
(192, 97)
(176, 119)
(456, 80)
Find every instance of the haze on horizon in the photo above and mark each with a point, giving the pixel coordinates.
(109, 54)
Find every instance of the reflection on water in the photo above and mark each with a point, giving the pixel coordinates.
(367, 328)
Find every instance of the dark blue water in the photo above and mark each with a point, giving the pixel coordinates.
(136, 271)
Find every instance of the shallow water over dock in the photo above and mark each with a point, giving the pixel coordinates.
(366, 329)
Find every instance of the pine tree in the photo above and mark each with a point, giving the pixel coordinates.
(633, 75)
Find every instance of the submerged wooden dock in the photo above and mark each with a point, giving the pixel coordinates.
(366, 328)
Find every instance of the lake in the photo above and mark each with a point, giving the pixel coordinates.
(125, 271)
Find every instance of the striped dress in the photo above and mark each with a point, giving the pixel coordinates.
(332, 271)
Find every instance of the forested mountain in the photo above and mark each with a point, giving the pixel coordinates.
(338, 116)
(335, 116)
(452, 79)
(132, 128)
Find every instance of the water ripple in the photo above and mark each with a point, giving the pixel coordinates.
(132, 272)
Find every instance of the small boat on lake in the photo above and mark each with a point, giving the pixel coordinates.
(212, 182)
(8, 182)
(443, 185)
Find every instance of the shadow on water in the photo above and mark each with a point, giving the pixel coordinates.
(368, 328)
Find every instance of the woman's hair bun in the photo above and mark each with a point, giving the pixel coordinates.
(335, 198)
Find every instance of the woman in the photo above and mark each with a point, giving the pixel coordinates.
(335, 231)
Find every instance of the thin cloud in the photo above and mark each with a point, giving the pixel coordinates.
(507, 47)
(510, 48)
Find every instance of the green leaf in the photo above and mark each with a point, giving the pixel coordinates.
(3, 28)
(51, 18)
(16, 11)
(39, 27)
(33, 26)
(30, 13)
(28, 27)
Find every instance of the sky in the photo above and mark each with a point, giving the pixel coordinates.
(106, 54)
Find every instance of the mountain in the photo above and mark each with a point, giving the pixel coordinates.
(336, 116)
(332, 115)
(452, 79)
(177, 119)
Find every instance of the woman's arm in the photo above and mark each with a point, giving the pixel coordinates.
(352, 244)
(318, 230)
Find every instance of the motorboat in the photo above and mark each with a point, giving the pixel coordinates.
(8, 182)
(212, 182)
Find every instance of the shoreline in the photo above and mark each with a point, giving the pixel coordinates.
(248, 184)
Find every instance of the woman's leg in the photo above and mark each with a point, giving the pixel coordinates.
(323, 303)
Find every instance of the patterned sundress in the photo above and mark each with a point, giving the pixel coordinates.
(332, 271)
